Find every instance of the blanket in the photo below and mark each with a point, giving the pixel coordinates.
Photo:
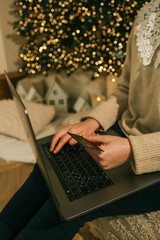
(130, 227)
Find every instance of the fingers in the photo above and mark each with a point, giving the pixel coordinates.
(97, 138)
(93, 134)
(61, 143)
(100, 157)
(72, 141)
(60, 137)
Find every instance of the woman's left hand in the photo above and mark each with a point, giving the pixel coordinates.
(116, 150)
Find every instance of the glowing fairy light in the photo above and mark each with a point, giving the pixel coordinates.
(74, 34)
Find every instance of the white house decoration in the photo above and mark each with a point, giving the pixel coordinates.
(81, 105)
(33, 95)
(56, 96)
(23, 88)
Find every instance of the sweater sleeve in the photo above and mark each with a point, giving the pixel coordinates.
(111, 110)
(146, 151)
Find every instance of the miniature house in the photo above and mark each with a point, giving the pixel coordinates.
(31, 89)
(23, 88)
(81, 105)
(33, 95)
(57, 96)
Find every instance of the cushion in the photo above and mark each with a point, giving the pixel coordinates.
(10, 123)
(73, 118)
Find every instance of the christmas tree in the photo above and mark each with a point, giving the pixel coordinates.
(70, 34)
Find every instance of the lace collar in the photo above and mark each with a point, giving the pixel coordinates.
(148, 32)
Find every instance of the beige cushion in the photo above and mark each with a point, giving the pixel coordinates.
(10, 123)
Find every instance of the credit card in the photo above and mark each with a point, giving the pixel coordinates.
(84, 142)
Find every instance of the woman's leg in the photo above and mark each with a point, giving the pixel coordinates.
(43, 225)
(31, 214)
(25, 203)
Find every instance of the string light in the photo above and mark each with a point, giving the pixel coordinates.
(70, 34)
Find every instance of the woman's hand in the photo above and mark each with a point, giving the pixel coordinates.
(86, 127)
(116, 150)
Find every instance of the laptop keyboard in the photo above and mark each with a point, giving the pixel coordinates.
(78, 173)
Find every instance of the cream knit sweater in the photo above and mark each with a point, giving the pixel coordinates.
(136, 105)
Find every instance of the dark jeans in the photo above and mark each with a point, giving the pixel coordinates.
(31, 213)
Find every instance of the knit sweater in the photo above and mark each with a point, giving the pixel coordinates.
(135, 103)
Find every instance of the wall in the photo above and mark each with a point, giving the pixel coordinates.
(9, 42)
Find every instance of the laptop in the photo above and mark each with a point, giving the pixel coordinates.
(86, 186)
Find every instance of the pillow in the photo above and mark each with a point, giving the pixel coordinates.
(73, 118)
(10, 123)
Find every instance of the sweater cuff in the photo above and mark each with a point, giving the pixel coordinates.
(146, 152)
(105, 116)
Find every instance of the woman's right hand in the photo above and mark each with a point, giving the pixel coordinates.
(61, 137)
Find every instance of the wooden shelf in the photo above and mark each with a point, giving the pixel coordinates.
(4, 89)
